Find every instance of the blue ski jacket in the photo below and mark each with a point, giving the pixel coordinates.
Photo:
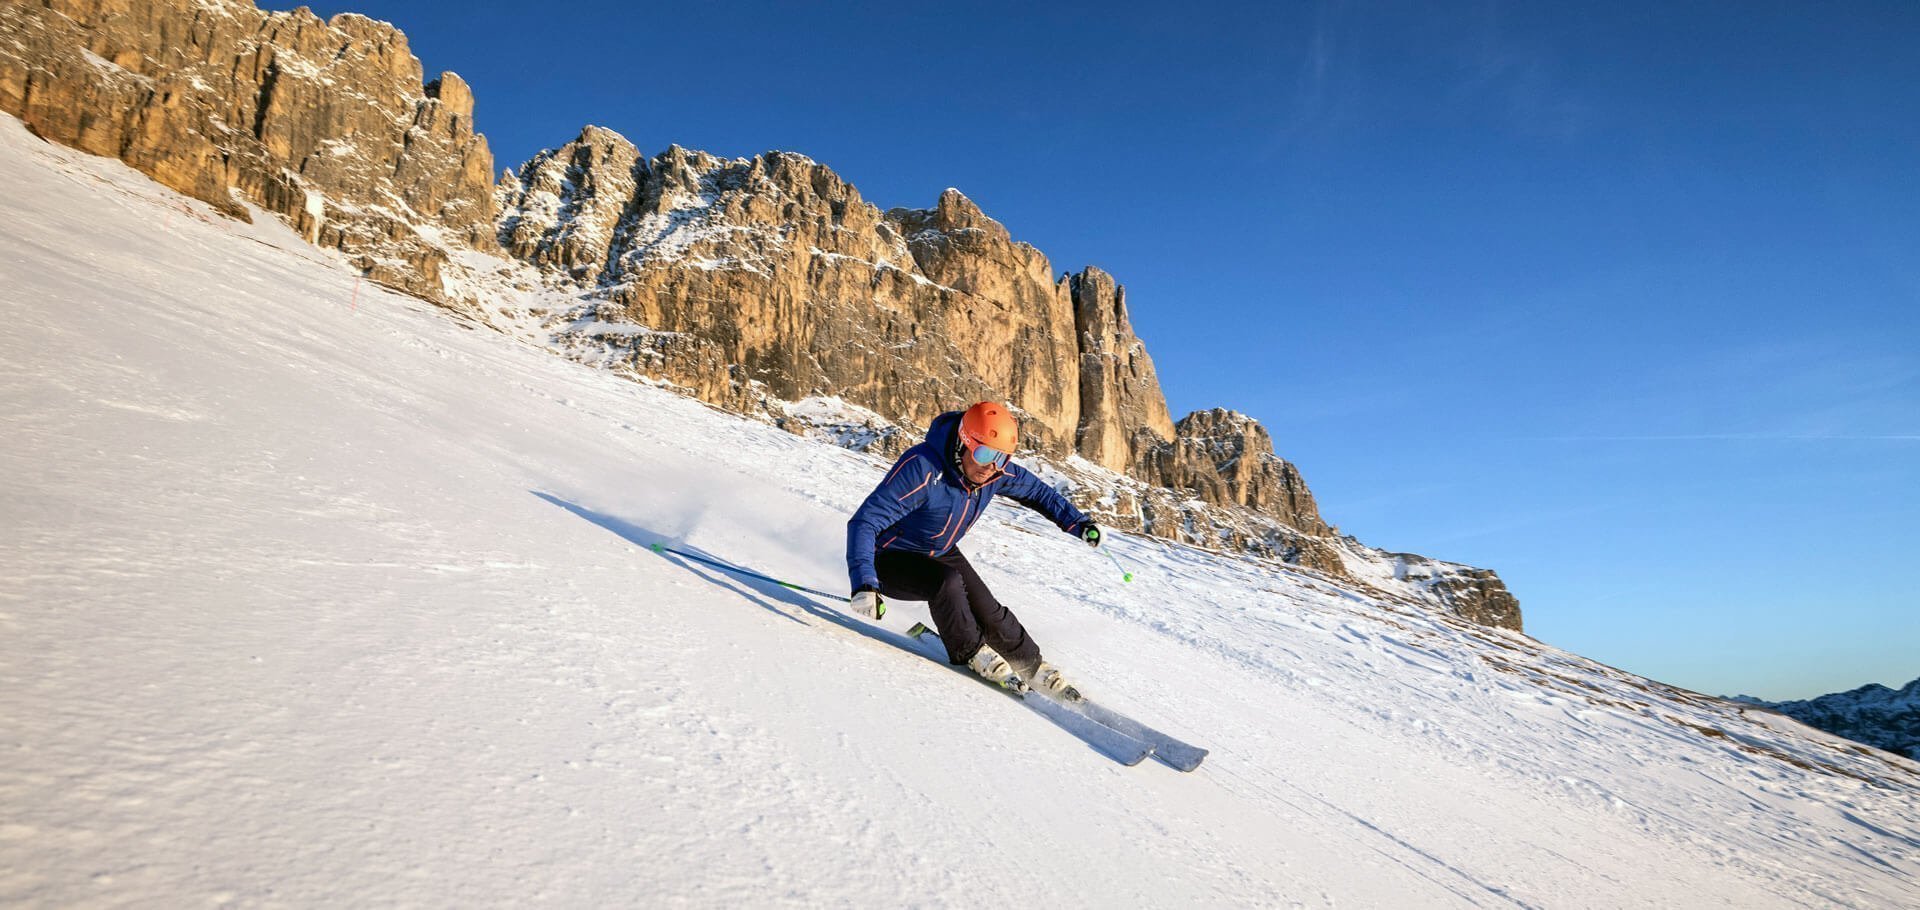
(925, 504)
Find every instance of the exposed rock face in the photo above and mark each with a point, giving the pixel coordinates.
(756, 278)
(771, 278)
(1180, 514)
(754, 284)
(1116, 378)
(1476, 594)
(998, 283)
(324, 123)
(562, 207)
(1225, 457)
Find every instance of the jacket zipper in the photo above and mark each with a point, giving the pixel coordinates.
(962, 526)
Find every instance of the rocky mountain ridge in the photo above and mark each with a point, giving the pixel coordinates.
(773, 278)
(1873, 714)
(326, 124)
(751, 283)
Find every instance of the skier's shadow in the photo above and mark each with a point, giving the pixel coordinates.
(759, 593)
(1086, 730)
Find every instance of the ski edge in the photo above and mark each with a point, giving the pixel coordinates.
(1188, 757)
(1170, 750)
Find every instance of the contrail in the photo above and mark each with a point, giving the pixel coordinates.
(1747, 437)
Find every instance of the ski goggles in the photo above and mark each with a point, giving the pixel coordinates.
(985, 455)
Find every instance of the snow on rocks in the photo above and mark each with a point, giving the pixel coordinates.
(843, 424)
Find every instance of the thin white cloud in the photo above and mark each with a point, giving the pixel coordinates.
(1321, 80)
(1731, 437)
(1517, 78)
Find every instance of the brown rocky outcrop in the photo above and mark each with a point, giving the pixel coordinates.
(326, 124)
(989, 283)
(1479, 595)
(563, 207)
(1226, 458)
(1475, 594)
(762, 278)
(770, 278)
(1121, 403)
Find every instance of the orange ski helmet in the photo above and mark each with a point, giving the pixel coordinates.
(989, 434)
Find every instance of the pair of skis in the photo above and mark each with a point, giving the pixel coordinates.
(1109, 732)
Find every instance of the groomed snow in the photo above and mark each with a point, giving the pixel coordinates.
(316, 600)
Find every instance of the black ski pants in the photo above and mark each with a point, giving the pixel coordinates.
(964, 611)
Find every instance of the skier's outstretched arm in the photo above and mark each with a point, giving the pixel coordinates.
(1029, 491)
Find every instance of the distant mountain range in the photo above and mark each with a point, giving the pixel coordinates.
(1873, 714)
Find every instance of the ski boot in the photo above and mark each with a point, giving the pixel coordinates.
(1049, 681)
(993, 668)
(1046, 679)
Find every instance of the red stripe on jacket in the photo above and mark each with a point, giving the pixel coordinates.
(963, 523)
(922, 486)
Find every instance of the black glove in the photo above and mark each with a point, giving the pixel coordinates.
(867, 602)
(1090, 533)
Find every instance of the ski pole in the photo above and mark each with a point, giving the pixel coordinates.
(663, 548)
(1124, 574)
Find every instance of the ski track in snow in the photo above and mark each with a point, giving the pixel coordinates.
(315, 600)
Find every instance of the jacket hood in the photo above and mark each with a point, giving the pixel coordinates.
(943, 434)
(944, 431)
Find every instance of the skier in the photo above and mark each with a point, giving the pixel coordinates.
(914, 520)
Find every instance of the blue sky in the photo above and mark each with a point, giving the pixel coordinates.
(1617, 299)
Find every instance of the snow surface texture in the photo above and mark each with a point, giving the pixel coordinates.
(311, 595)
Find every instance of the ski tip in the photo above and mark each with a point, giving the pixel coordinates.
(655, 547)
(1185, 764)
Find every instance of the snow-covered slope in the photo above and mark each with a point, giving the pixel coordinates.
(315, 596)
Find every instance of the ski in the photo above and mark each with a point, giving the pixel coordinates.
(1171, 751)
(1168, 749)
(1118, 730)
(1108, 741)
(1103, 739)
